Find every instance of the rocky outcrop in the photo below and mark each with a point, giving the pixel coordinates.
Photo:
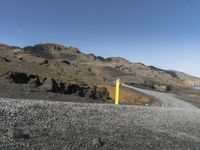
(19, 78)
(49, 85)
(23, 78)
(43, 62)
(65, 62)
(4, 58)
(97, 93)
(56, 86)
(39, 51)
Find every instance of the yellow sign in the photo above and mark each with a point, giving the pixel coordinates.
(117, 92)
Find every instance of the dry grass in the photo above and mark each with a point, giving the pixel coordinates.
(128, 97)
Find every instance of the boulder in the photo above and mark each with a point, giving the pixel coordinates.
(19, 78)
(4, 58)
(102, 93)
(97, 93)
(98, 142)
(91, 93)
(65, 62)
(72, 89)
(34, 81)
(46, 85)
(19, 57)
(43, 62)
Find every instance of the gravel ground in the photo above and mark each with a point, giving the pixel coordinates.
(167, 100)
(30, 124)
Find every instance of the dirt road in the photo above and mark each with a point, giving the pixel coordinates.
(167, 100)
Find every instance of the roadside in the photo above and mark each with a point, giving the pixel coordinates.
(189, 95)
(167, 100)
(37, 124)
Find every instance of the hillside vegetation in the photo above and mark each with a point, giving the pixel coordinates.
(53, 71)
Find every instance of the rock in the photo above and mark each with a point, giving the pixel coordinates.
(149, 84)
(34, 81)
(163, 88)
(19, 56)
(102, 93)
(18, 133)
(82, 91)
(160, 88)
(24, 78)
(55, 87)
(66, 62)
(51, 85)
(46, 85)
(17, 51)
(97, 142)
(43, 62)
(72, 89)
(3, 58)
(91, 93)
(19, 78)
(97, 93)
(168, 88)
(62, 88)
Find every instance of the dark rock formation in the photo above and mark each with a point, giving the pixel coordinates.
(56, 86)
(19, 78)
(24, 78)
(34, 80)
(43, 62)
(97, 93)
(102, 93)
(66, 62)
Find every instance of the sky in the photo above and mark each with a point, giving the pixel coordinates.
(162, 33)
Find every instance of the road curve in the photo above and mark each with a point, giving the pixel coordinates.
(167, 100)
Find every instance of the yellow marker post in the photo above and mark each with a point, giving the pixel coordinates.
(117, 92)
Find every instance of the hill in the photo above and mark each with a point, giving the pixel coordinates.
(56, 71)
(117, 65)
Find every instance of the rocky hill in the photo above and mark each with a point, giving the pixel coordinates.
(57, 72)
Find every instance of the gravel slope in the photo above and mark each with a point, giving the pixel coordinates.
(30, 124)
(167, 100)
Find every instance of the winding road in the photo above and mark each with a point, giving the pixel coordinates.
(167, 100)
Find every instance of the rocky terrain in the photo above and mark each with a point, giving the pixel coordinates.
(57, 72)
(67, 79)
(36, 124)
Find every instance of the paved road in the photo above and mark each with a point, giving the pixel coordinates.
(167, 100)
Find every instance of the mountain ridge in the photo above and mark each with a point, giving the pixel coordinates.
(110, 58)
(62, 66)
(58, 47)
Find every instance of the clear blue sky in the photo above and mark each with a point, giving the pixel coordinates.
(163, 33)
